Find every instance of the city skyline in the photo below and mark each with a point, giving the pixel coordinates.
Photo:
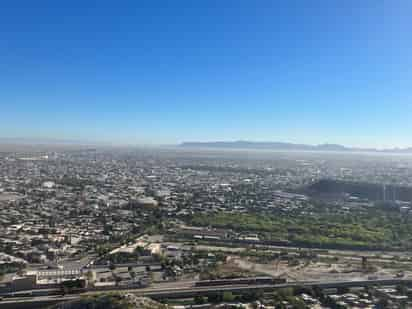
(156, 73)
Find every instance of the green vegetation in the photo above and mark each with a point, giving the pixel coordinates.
(12, 267)
(112, 301)
(219, 297)
(105, 248)
(199, 300)
(372, 229)
(287, 295)
(71, 286)
(228, 297)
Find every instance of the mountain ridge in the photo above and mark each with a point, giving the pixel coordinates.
(287, 146)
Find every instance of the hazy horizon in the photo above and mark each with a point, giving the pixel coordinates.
(205, 145)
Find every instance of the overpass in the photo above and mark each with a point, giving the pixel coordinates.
(239, 289)
(187, 292)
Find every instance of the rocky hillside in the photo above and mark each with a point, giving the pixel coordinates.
(112, 301)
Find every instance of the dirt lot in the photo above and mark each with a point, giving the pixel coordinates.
(308, 271)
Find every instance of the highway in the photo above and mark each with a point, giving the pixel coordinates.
(35, 302)
(186, 291)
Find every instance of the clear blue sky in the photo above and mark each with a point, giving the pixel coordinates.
(171, 71)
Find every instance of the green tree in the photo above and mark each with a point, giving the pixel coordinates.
(228, 297)
(199, 300)
(215, 298)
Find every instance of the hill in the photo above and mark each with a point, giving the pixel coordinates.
(112, 301)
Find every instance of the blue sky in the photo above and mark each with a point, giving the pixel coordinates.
(168, 71)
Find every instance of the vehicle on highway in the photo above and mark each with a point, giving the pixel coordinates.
(241, 281)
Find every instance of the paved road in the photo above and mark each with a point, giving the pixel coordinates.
(189, 290)
(35, 302)
(157, 264)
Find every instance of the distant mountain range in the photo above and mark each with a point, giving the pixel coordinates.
(33, 142)
(287, 146)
